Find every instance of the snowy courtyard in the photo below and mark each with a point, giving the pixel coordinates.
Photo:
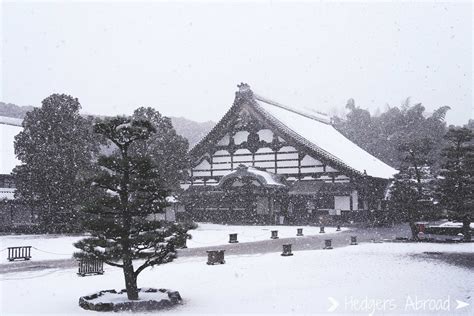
(309, 282)
(215, 235)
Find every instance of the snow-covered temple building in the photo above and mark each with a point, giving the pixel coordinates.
(9, 128)
(12, 213)
(265, 162)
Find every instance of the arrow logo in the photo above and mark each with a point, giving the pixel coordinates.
(335, 304)
(461, 304)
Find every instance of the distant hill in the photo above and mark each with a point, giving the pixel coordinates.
(12, 110)
(191, 130)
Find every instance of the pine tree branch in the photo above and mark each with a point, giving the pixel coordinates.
(113, 264)
(152, 261)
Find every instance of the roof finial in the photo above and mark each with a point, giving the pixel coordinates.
(243, 87)
(244, 91)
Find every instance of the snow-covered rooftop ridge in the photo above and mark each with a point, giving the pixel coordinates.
(263, 176)
(269, 177)
(314, 115)
(7, 193)
(325, 139)
(10, 121)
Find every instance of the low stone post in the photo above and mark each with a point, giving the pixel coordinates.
(353, 240)
(274, 234)
(299, 232)
(338, 229)
(233, 239)
(215, 257)
(327, 244)
(321, 230)
(287, 250)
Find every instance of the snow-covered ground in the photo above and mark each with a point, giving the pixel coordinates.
(44, 247)
(51, 247)
(215, 235)
(309, 282)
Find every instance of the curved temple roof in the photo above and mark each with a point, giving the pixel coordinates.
(265, 178)
(316, 131)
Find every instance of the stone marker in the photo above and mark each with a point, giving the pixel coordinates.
(287, 250)
(215, 257)
(233, 239)
(353, 240)
(327, 244)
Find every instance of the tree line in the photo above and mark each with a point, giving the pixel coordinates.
(435, 163)
(60, 151)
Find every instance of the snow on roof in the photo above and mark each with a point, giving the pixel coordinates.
(320, 133)
(7, 194)
(10, 121)
(318, 116)
(171, 199)
(269, 177)
(7, 152)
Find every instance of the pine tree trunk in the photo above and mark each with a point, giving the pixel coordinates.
(466, 229)
(130, 279)
(411, 222)
(414, 230)
(46, 220)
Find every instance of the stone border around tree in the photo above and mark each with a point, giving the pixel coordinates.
(174, 298)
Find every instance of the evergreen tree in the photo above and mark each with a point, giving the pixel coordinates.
(456, 184)
(165, 146)
(131, 187)
(403, 199)
(411, 196)
(55, 148)
(383, 135)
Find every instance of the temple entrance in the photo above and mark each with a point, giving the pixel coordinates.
(246, 196)
(252, 196)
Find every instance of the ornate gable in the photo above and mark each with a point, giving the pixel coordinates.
(246, 137)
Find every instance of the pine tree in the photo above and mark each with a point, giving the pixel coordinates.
(456, 184)
(56, 148)
(130, 187)
(382, 135)
(403, 199)
(411, 196)
(165, 146)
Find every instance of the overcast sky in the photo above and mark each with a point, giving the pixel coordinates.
(186, 58)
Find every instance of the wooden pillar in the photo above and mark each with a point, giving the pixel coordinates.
(276, 161)
(270, 207)
(212, 167)
(300, 157)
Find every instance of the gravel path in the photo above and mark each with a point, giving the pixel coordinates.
(341, 239)
(314, 242)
